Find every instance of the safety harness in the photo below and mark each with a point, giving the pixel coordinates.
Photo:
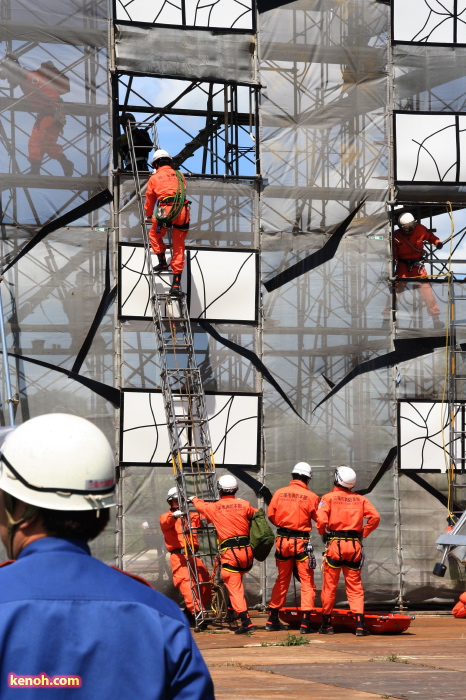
(287, 533)
(181, 550)
(237, 542)
(176, 203)
(348, 536)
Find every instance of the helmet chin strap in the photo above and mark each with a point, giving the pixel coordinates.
(9, 503)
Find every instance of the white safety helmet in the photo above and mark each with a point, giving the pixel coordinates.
(407, 222)
(345, 476)
(159, 153)
(172, 494)
(228, 484)
(58, 461)
(303, 468)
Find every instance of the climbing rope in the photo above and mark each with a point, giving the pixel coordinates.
(175, 207)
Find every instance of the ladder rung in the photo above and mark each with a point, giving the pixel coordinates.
(172, 319)
(188, 421)
(199, 448)
(177, 396)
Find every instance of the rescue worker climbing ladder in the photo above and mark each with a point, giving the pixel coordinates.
(292, 509)
(231, 518)
(171, 524)
(167, 187)
(191, 451)
(340, 517)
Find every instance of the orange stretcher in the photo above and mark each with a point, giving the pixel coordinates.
(345, 621)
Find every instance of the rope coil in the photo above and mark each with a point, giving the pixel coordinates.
(177, 204)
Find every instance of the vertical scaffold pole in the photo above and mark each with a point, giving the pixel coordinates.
(6, 365)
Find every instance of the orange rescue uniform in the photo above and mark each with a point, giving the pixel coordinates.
(43, 96)
(460, 608)
(341, 513)
(292, 509)
(408, 250)
(172, 529)
(231, 518)
(163, 185)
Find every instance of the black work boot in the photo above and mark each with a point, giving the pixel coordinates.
(361, 630)
(176, 284)
(67, 166)
(246, 624)
(273, 624)
(189, 615)
(438, 324)
(326, 626)
(35, 167)
(162, 265)
(231, 615)
(306, 623)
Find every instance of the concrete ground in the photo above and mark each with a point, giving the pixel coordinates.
(426, 662)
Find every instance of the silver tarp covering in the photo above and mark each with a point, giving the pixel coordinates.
(194, 54)
(51, 295)
(324, 119)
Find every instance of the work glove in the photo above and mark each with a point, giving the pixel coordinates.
(439, 245)
(177, 513)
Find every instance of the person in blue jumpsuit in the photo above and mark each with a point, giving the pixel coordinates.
(67, 620)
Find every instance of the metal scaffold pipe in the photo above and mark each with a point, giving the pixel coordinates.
(6, 367)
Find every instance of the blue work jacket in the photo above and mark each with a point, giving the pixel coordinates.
(64, 613)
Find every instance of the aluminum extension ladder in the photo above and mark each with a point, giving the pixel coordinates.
(456, 417)
(185, 410)
(456, 406)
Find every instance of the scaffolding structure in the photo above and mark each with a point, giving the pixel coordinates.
(284, 119)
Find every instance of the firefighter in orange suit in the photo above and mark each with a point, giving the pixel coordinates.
(340, 518)
(460, 608)
(161, 188)
(172, 528)
(42, 89)
(408, 250)
(292, 510)
(231, 518)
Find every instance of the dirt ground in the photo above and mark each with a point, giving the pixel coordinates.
(426, 662)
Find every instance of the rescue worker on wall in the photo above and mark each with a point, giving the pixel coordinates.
(42, 89)
(161, 189)
(340, 518)
(142, 144)
(459, 610)
(172, 528)
(68, 613)
(408, 251)
(231, 518)
(292, 509)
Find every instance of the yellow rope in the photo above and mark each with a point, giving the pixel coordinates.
(450, 467)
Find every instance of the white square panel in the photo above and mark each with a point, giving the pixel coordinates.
(423, 20)
(221, 285)
(426, 148)
(421, 443)
(233, 424)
